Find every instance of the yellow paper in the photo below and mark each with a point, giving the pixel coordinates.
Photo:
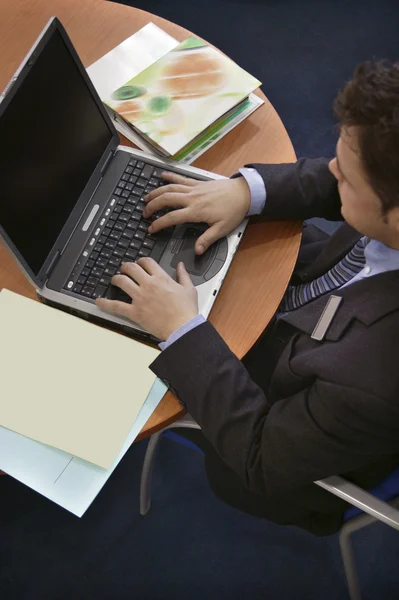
(68, 383)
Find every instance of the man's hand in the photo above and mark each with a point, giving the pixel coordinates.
(159, 304)
(222, 204)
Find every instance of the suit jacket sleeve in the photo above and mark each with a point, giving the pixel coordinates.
(300, 190)
(274, 448)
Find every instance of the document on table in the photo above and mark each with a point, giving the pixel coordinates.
(69, 481)
(68, 383)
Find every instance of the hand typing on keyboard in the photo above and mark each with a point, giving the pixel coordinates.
(120, 234)
(159, 304)
(223, 204)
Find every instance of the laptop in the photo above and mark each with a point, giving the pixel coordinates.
(72, 197)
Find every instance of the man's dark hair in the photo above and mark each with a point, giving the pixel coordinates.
(370, 102)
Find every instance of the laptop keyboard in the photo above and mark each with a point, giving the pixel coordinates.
(120, 234)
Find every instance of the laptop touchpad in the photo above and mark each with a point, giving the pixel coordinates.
(196, 265)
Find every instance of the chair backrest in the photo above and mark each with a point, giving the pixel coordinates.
(366, 501)
(385, 490)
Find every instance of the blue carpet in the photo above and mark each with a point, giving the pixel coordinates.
(189, 546)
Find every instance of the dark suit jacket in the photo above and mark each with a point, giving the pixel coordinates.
(321, 408)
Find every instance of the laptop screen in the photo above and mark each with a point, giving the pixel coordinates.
(52, 136)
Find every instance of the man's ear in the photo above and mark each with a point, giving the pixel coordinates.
(394, 219)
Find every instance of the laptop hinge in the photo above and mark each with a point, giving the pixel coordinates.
(54, 261)
(107, 162)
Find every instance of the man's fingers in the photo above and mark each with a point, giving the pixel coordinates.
(175, 178)
(182, 276)
(210, 236)
(171, 199)
(167, 189)
(132, 275)
(175, 217)
(121, 309)
(150, 266)
(125, 283)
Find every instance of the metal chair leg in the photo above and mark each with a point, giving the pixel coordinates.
(146, 473)
(348, 557)
(349, 565)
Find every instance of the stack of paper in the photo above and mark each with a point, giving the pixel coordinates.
(69, 481)
(73, 399)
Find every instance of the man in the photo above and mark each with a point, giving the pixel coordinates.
(298, 409)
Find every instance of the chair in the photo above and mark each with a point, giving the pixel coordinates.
(379, 504)
(148, 464)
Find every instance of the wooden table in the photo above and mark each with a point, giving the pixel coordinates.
(264, 262)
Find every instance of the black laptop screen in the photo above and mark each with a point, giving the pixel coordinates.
(52, 136)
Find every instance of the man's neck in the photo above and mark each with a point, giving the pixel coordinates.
(391, 243)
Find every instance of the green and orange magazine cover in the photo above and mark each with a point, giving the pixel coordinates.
(180, 95)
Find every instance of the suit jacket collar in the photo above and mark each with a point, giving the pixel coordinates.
(367, 301)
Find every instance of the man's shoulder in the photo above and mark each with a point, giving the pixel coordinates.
(366, 357)
(360, 347)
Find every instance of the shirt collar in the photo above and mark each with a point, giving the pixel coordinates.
(381, 258)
